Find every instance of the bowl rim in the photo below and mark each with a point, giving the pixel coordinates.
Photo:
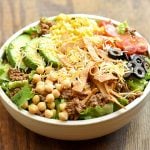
(5, 99)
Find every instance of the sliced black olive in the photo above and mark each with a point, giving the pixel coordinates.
(115, 53)
(146, 65)
(137, 60)
(139, 72)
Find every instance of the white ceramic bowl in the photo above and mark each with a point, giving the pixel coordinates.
(73, 130)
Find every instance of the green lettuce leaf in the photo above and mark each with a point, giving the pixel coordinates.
(4, 72)
(93, 112)
(121, 28)
(23, 95)
(137, 84)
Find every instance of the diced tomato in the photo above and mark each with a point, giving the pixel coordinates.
(132, 45)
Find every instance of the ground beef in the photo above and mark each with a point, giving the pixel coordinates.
(133, 97)
(44, 26)
(14, 91)
(67, 94)
(74, 107)
(120, 87)
(16, 75)
(97, 100)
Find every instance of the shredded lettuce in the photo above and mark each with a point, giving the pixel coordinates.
(4, 72)
(123, 101)
(23, 95)
(121, 28)
(32, 30)
(16, 84)
(92, 112)
(137, 84)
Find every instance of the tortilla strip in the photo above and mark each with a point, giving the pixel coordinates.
(78, 85)
(94, 91)
(91, 49)
(101, 87)
(101, 77)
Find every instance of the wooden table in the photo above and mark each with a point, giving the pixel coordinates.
(15, 14)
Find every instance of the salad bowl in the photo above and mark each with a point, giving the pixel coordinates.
(74, 129)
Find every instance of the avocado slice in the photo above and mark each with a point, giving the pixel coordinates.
(47, 51)
(32, 58)
(14, 51)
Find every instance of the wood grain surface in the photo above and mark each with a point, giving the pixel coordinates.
(15, 14)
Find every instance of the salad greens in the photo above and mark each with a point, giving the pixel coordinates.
(121, 28)
(23, 95)
(93, 112)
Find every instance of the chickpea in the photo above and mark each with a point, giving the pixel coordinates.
(51, 105)
(40, 83)
(36, 99)
(48, 113)
(48, 69)
(52, 76)
(36, 78)
(50, 98)
(41, 106)
(54, 112)
(56, 93)
(58, 86)
(48, 81)
(33, 109)
(62, 106)
(25, 105)
(63, 116)
(40, 89)
(49, 87)
(66, 84)
(40, 69)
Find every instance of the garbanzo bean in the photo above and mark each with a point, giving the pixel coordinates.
(62, 106)
(49, 87)
(52, 76)
(33, 109)
(56, 93)
(49, 98)
(40, 69)
(40, 89)
(48, 113)
(36, 99)
(51, 105)
(41, 106)
(36, 78)
(48, 69)
(63, 116)
(58, 86)
(66, 84)
(25, 105)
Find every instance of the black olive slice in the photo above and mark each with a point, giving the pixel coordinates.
(139, 72)
(146, 65)
(115, 53)
(137, 60)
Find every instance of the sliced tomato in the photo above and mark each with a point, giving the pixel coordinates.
(103, 23)
(132, 45)
(110, 29)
